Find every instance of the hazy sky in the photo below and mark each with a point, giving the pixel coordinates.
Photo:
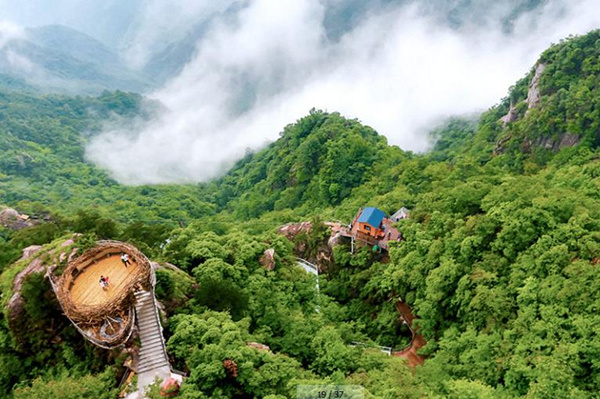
(398, 66)
(106, 20)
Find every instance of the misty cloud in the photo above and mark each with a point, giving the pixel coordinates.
(160, 23)
(398, 69)
(10, 32)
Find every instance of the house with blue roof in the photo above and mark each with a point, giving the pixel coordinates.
(372, 226)
(370, 220)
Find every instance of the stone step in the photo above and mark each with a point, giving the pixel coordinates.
(150, 308)
(153, 365)
(147, 337)
(152, 347)
(146, 316)
(145, 319)
(146, 312)
(150, 368)
(154, 350)
(151, 356)
(152, 353)
(145, 308)
(144, 366)
(150, 340)
(148, 326)
(156, 358)
(147, 334)
(149, 329)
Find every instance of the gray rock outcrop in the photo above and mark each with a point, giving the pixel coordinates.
(13, 220)
(511, 116)
(533, 95)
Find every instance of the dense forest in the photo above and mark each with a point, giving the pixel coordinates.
(498, 259)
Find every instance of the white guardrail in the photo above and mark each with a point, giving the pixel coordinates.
(384, 349)
(309, 267)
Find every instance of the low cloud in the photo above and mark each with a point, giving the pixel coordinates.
(9, 32)
(398, 70)
(160, 23)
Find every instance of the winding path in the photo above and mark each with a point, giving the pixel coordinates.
(417, 342)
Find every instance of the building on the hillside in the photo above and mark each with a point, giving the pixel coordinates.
(371, 226)
(369, 222)
(402, 213)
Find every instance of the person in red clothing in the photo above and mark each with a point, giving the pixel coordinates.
(104, 282)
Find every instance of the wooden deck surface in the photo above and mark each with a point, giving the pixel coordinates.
(87, 289)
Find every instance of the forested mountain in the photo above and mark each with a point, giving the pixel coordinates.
(60, 59)
(498, 259)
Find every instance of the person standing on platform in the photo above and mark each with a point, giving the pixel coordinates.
(103, 283)
(125, 259)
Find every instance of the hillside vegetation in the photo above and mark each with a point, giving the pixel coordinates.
(498, 260)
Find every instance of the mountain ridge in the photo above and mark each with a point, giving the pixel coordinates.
(58, 59)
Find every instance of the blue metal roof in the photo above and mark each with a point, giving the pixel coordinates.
(372, 216)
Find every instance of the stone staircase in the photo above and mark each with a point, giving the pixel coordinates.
(154, 361)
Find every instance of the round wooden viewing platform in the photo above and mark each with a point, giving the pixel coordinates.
(79, 291)
(86, 289)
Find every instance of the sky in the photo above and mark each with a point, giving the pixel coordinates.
(401, 67)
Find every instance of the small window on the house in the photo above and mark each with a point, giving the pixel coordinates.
(368, 228)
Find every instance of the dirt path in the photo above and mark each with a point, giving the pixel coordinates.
(410, 352)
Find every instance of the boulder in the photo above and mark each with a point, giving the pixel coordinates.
(335, 239)
(291, 230)
(38, 264)
(30, 251)
(16, 303)
(268, 259)
(12, 219)
(260, 347)
(169, 388)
